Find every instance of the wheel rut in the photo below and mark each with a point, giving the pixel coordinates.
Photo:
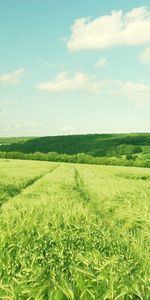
(29, 183)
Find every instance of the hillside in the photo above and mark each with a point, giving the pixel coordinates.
(13, 140)
(92, 144)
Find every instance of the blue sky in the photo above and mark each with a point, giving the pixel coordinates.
(69, 67)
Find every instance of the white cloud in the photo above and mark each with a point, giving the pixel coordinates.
(62, 83)
(145, 56)
(116, 29)
(81, 82)
(138, 92)
(11, 78)
(68, 129)
(102, 62)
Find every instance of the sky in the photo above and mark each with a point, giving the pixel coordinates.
(74, 67)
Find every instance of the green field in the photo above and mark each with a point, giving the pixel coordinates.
(71, 231)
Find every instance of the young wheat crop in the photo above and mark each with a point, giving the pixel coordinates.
(79, 232)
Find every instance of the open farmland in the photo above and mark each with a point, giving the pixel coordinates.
(14, 177)
(70, 231)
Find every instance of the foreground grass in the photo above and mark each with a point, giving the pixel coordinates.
(80, 232)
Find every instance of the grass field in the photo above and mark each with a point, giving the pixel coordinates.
(70, 231)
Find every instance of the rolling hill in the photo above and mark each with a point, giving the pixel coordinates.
(91, 144)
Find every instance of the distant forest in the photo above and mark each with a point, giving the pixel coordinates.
(118, 149)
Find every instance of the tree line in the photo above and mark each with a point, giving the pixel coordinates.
(128, 160)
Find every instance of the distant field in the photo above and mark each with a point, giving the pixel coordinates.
(70, 231)
(145, 154)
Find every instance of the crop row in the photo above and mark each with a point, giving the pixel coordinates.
(80, 232)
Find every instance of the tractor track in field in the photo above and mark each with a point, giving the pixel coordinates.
(19, 191)
(85, 195)
(80, 188)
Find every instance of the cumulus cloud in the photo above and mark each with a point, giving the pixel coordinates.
(116, 29)
(145, 56)
(82, 82)
(11, 78)
(102, 62)
(63, 83)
